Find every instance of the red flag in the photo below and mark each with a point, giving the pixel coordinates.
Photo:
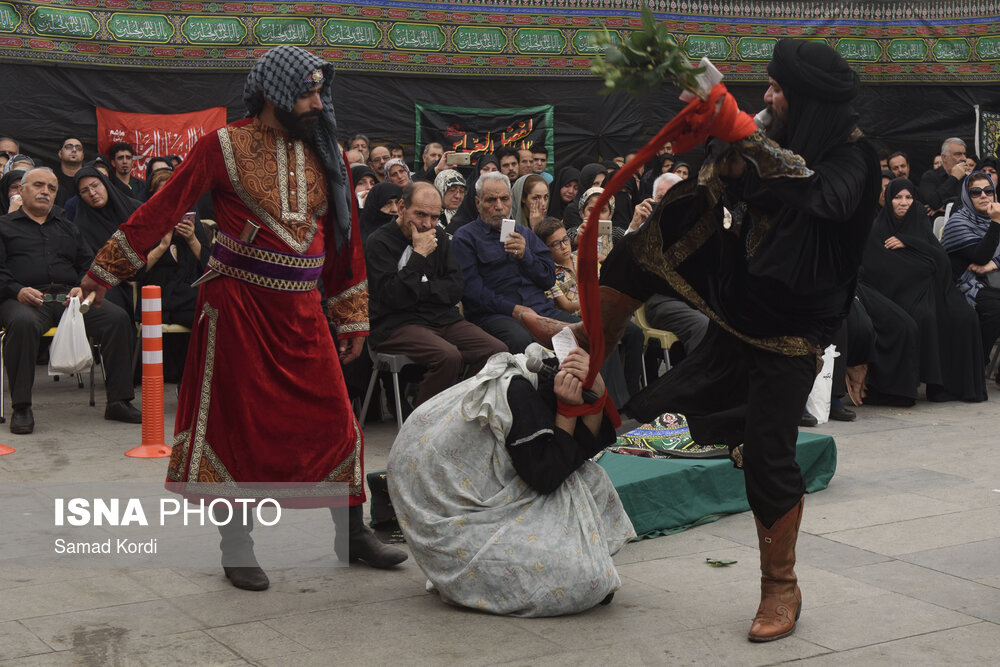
(152, 135)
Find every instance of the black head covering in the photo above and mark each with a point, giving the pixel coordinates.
(564, 176)
(372, 216)
(485, 159)
(149, 172)
(98, 224)
(819, 86)
(359, 171)
(589, 173)
(5, 183)
(989, 161)
(281, 75)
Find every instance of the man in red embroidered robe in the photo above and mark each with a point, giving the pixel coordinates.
(264, 398)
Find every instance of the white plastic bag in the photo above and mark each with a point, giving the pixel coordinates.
(818, 403)
(70, 351)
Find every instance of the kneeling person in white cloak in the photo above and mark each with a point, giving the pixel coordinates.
(497, 499)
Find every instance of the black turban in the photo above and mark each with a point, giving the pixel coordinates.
(814, 70)
(818, 85)
(281, 75)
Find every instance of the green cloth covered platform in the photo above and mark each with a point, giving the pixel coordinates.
(664, 496)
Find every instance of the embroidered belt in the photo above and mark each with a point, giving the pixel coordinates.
(267, 268)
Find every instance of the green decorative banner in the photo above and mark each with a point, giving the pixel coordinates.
(9, 18)
(213, 30)
(953, 41)
(140, 28)
(351, 33)
(988, 135)
(271, 31)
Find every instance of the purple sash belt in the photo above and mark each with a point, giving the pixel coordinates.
(267, 268)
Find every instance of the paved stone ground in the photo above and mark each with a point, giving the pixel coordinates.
(897, 562)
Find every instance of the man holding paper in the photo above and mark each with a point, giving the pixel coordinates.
(506, 275)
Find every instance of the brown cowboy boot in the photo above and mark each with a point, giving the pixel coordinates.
(780, 597)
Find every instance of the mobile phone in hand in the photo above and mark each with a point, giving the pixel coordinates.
(506, 228)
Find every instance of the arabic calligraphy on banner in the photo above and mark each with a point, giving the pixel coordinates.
(894, 41)
(479, 131)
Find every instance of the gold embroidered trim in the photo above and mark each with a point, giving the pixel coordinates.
(105, 275)
(279, 230)
(287, 215)
(130, 254)
(647, 246)
(353, 460)
(182, 445)
(279, 284)
(349, 292)
(205, 395)
(353, 327)
(264, 255)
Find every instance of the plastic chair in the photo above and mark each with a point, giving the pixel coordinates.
(393, 363)
(665, 338)
(95, 349)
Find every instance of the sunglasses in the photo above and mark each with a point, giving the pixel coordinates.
(48, 298)
(976, 192)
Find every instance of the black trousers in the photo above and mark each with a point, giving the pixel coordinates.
(109, 325)
(732, 392)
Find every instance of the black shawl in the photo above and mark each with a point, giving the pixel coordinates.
(372, 216)
(98, 224)
(563, 177)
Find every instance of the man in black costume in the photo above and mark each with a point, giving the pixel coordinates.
(776, 285)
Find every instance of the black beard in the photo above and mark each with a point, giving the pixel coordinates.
(777, 130)
(299, 126)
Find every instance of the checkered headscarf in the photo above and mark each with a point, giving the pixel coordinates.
(281, 75)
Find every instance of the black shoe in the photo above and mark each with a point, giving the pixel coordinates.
(842, 414)
(122, 411)
(22, 422)
(247, 578)
(808, 420)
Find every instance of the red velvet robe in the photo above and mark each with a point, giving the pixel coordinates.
(263, 397)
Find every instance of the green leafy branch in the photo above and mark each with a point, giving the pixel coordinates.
(641, 63)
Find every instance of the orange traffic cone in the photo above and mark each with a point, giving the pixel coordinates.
(153, 445)
(4, 449)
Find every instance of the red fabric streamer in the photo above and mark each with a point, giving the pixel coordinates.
(691, 127)
(603, 404)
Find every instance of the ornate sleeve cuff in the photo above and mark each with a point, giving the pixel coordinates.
(116, 261)
(348, 311)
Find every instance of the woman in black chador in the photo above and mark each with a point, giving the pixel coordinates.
(904, 261)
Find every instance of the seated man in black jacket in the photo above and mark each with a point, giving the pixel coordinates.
(42, 258)
(415, 284)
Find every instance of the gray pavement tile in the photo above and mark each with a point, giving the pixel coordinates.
(971, 495)
(690, 572)
(976, 644)
(17, 640)
(961, 595)
(335, 591)
(819, 552)
(668, 546)
(914, 535)
(140, 621)
(644, 651)
(107, 590)
(846, 625)
(110, 649)
(874, 511)
(255, 641)
(727, 644)
(972, 560)
(414, 631)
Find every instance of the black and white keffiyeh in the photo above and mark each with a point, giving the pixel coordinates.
(281, 75)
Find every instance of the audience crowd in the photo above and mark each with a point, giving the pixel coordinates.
(450, 279)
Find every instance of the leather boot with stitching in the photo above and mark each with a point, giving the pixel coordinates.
(780, 597)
